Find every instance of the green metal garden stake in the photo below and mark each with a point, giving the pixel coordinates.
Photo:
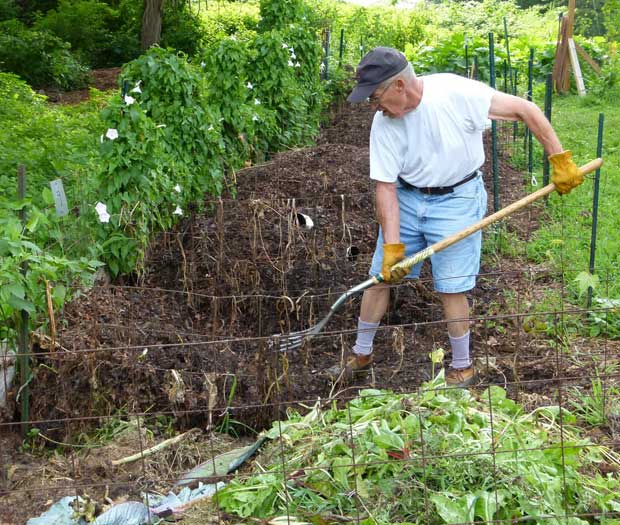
(341, 50)
(24, 357)
(530, 142)
(508, 53)
(493, 127)
(327, 41)
(548, 93)
(466, 61)
(597, 177)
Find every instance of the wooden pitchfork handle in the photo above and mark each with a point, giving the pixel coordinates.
(412, 260)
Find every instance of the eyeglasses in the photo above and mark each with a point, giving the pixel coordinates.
(374, 100)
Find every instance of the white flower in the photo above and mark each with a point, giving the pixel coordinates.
(129, 100)
(290, 63)
(202, 64)
(256, 102)
(177, 188)
(255, 118)
(210, 128)
(293, 56)
(233, 37)
(137, 89)
(297, 64)
(322, 67)
(112, 133)
(102, 211)
(178, 211)
(284, 46)
(249, 85)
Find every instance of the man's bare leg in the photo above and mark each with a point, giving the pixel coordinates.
(375, 301)
(456, 312)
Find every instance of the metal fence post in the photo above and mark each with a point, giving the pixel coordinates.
(24, 351)
(493, 127)
(341, 50)
(530, 142)
(466, 61)
(597, 177)
(326, 50)
(548, 93)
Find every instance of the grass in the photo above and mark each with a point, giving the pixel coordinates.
(565, 239)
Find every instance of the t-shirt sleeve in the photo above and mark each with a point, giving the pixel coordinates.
(474, 98)
(388, 148)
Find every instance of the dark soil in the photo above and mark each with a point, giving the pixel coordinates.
(193, 336)
(215, 290)
(101, 79)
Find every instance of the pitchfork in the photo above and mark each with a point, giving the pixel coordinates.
(294, 340)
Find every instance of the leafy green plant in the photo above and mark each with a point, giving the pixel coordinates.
(595, 407)
(39, 57)
(181, 28)
(248, 125)
(441, 453)
(24, 290)
(87, 26)
(161, 153)
(605, 318)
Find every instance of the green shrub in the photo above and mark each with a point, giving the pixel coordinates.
(164, 155)
(226, 19)
(85, 24)
(39, 57)
(248, 125)
(8, 10)
(181, 28)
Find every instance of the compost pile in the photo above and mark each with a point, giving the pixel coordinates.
(192, 336)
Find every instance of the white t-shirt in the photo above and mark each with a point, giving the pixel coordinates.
(438, 143)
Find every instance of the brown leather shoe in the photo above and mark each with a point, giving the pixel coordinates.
(460, 377)
(356, 367)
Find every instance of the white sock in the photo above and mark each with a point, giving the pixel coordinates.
(365, 336)
(460, 351)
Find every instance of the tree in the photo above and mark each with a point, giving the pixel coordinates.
(151, 23)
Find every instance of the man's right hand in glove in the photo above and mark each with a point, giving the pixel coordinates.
(393, 253)
(566, 174)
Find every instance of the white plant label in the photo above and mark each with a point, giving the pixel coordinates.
(60, 200)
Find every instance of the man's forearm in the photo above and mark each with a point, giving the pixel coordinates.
(543, 131)
(388, 213)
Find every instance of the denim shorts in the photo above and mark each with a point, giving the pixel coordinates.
(427, 219)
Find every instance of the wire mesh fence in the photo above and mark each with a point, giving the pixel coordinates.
(173, 383)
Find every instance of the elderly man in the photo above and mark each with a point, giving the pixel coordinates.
(426, 151)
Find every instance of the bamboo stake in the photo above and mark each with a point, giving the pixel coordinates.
(150, 451)
(50, 312)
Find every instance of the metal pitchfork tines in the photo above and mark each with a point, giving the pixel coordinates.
(294, 340)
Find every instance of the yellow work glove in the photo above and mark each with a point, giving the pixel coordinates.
(392, 253)
(566, 174)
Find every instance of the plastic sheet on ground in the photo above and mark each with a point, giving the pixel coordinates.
(60, 513)
(165, 505)
(137, 513)
(128, 513)
(7, 371)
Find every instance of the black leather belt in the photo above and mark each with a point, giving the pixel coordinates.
(438, 190)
